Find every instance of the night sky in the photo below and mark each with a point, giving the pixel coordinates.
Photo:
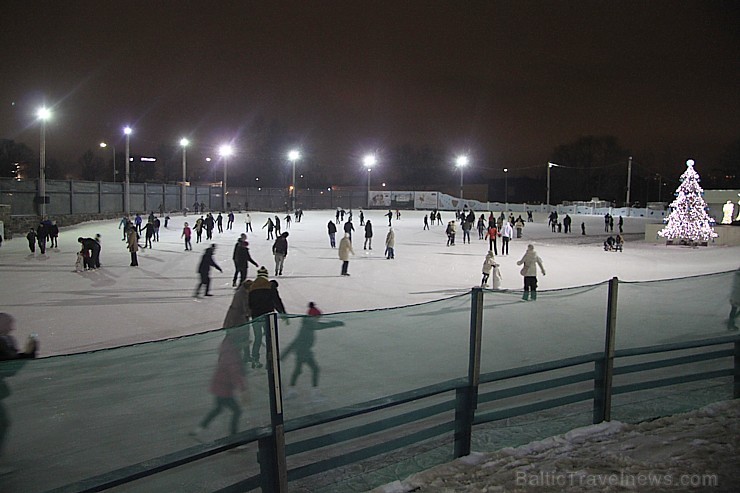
(507, 81)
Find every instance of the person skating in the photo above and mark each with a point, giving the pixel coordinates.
(491, 236)
(390, 217)
(270, 228)
(490, 267)
(91, 253)
(247, 223)
(209, 224)
(302, 347)
(199, 229)
(220, 223)
(530, 260)
(230, 220)
(390, 244)
(31, 237)
(41, 235)
(132, 243)
(368, 245)
(157, 224)
(345, 249)
(264, 298)
(53, 235)
(228, 385)
(280, 251)
(451, 228)
(242, 259)
(204, 269)
(148, 233)
(506, 234)
(426, 222)
(332, 230)
(348, 228)
(186, 234)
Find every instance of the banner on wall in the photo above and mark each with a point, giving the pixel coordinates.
(380, 199)
(425, 200)
(402, 200)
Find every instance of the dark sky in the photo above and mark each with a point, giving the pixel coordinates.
(506, 80)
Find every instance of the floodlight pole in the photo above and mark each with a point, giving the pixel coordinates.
(629, 180)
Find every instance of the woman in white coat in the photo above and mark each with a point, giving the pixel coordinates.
(390, 243)
(530, 260)
(345, 249)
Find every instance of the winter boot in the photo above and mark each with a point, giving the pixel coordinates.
(534, 295)
(525, 296)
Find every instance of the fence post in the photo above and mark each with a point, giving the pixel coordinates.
(736, 377)
(604, 368)
(466, 398)
(273, 466)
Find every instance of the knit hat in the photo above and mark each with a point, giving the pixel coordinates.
(312, 310)
(262, 272)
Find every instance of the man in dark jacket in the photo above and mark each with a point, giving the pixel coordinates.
(332, 229)
(348, 228)
(242, 259)
(280, 251)
(92, 247)
(263, 299)
(204, 269)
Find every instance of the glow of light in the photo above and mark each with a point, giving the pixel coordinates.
(208, 160)
(225, 150)
(690, 162)
(369, 161)
(43, 113)
(294, 155)
(461, 161)
(127, 130)
(184, 142)
(103, 144)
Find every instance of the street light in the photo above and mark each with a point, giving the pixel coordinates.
(506, 187)
(225, 151)
(104, 145)
(126, 202)
(369, 161)
(43, 115)
(293, 156)
(183, 191)
(549, 165)
(461, 162)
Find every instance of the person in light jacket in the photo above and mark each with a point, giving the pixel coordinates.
(390, 243)
(345, 249)
(490, 267)
(530, 260)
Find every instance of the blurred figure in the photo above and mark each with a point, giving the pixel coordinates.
(204, 269)
(734, 301)
(302, 346)
(227, 382)
(9, 351)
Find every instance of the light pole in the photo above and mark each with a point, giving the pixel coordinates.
(461, 162)
(126, 202)
(104, 145)
(225, 151)
(369, 161)
(293, 156)
(43, 115)
(506, 187)
(183, 191)
(549, 165)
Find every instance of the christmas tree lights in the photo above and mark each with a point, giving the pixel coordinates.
(688, 220)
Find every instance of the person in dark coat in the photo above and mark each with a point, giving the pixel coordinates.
(31, 237)
(280, 251)
(41, 235)
(348, 228)
(53, 234)
(92, 249)
(242, 259)
(263, 299)
(204, 269)
(220, 223)
(209, 224)
(302, 346)
(332, 229)
(149, 233)
(368, 236)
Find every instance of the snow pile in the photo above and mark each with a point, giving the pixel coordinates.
(695, 451)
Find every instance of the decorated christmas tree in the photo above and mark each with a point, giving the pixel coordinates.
(688, 220)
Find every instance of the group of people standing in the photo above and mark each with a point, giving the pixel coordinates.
(46, 231)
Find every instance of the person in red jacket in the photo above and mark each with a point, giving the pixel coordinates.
(227, 381)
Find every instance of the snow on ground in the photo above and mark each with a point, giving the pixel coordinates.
(695, 451)
(119, 304)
